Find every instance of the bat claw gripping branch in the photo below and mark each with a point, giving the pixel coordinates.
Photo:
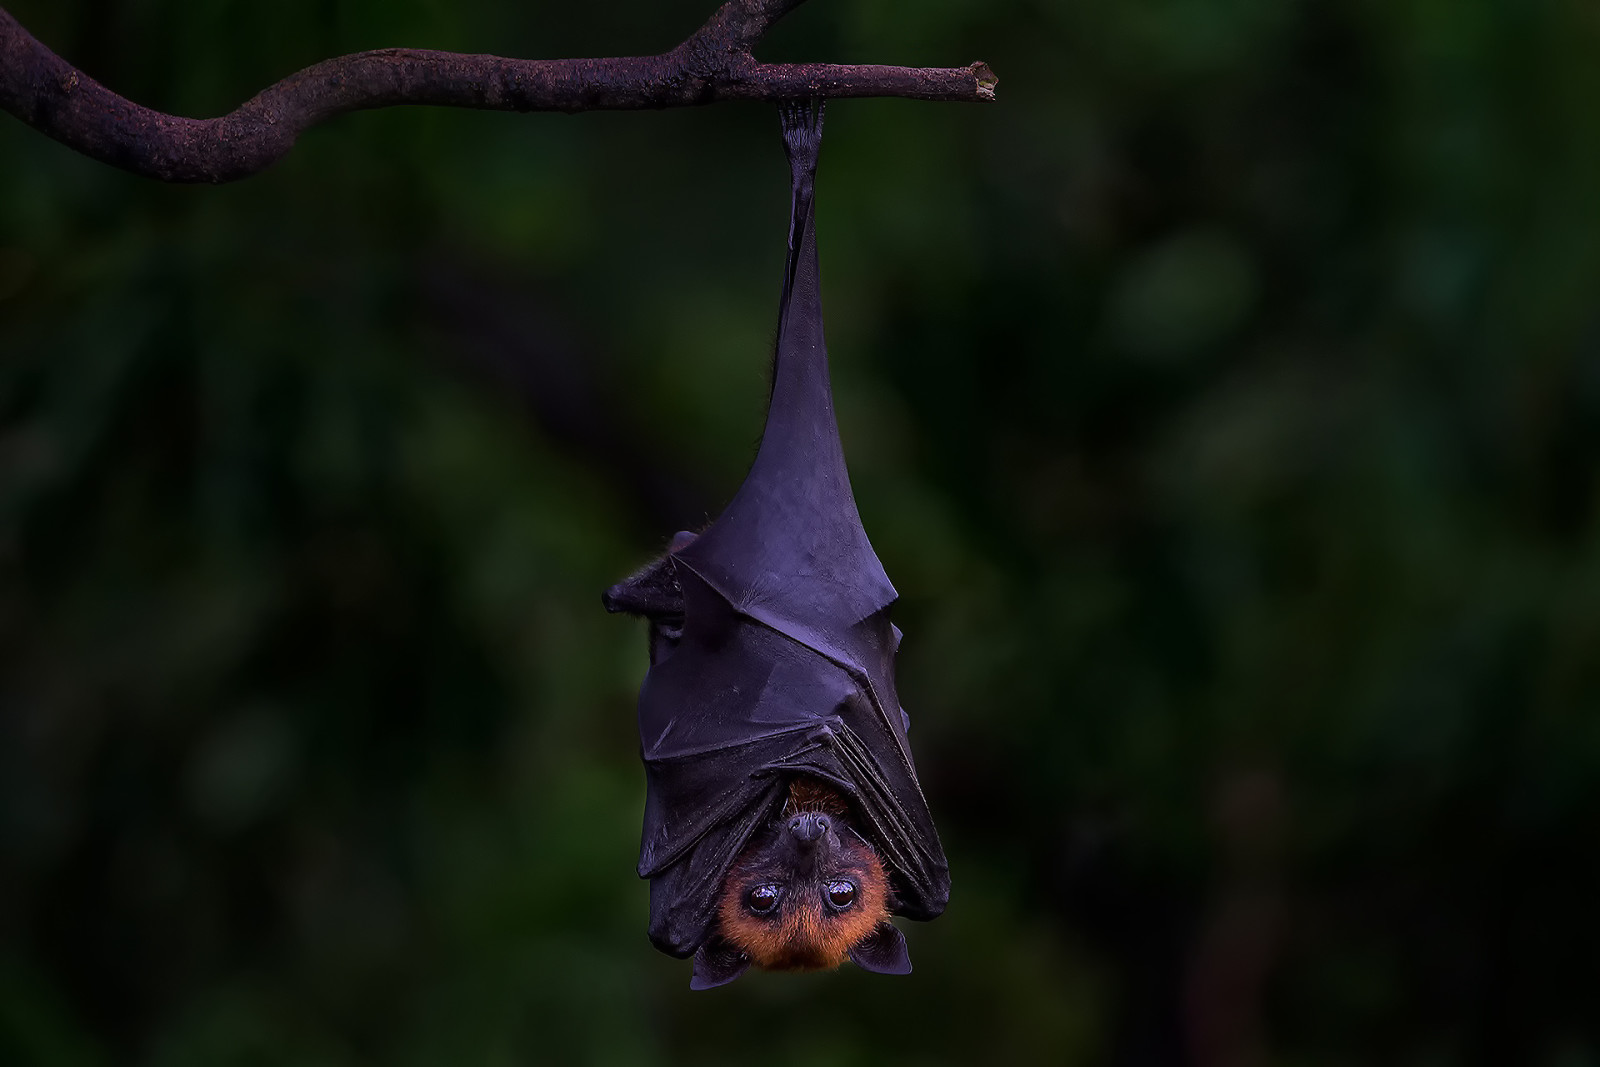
(802, 140)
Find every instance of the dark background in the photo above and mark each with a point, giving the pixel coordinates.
(1224, 403)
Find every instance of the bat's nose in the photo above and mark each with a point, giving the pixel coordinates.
(809, 826)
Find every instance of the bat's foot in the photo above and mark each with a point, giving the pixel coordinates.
(802, 133)
(802, 139)
(802, 119)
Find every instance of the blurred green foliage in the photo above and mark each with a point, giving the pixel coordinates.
(1225, 403)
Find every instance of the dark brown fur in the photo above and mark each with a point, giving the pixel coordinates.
(808, 794)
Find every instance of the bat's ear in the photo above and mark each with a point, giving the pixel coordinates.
(883, 951)
(717, 964)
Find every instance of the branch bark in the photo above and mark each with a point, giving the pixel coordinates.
(713, 64)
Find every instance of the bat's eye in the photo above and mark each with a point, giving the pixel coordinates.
(762, 899)
(841, 894)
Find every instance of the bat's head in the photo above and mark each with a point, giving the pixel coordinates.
(807, 895)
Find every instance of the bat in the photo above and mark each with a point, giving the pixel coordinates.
(783, 821)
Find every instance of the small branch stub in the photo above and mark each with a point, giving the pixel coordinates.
(713, 64)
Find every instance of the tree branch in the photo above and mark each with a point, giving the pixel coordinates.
(715, 63)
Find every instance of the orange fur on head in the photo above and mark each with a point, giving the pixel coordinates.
(804, 933)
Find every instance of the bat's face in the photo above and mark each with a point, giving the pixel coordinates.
(806, 895)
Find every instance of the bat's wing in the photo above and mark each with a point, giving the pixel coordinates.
(786, 659)
(730, 712)
(790, 551)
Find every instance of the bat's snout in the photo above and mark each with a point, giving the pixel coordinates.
(809, 827)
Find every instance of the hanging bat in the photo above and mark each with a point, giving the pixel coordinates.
(783, 820)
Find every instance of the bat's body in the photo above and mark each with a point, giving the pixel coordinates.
(772, 681)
